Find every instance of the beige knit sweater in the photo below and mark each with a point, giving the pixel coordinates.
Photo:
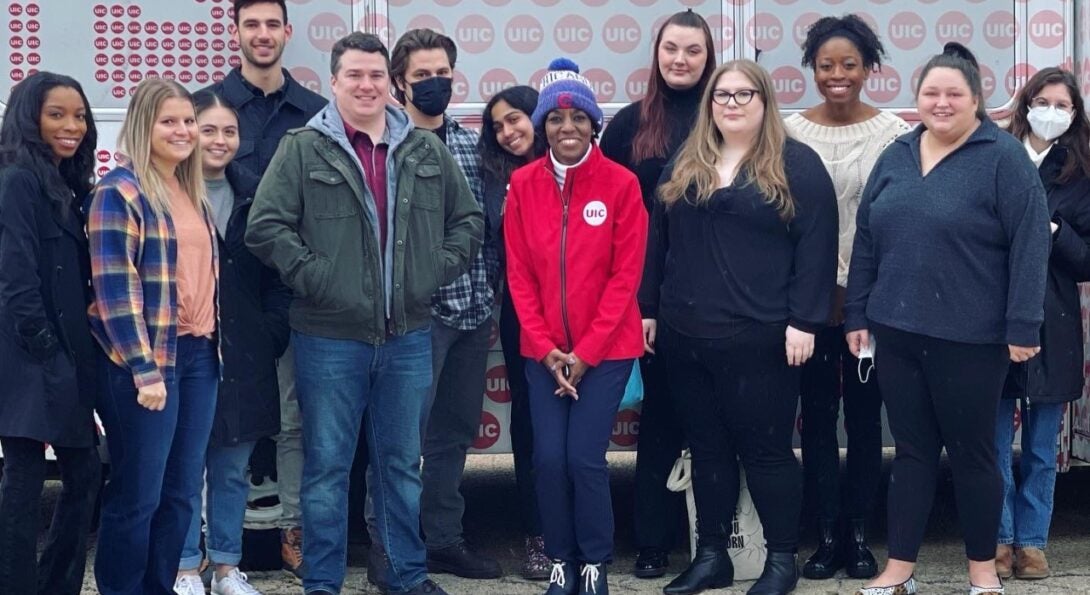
(849, 153)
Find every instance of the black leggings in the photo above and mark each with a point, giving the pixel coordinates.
(737, 398)
(833, 372)
(941, 393)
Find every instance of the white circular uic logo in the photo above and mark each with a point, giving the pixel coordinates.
(595, 213)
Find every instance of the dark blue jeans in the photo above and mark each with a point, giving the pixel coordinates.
(1027, 507)
(570, 471)
(337, 379)
(156, 465)
(60, 569)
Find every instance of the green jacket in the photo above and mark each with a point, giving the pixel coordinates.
(313, 220)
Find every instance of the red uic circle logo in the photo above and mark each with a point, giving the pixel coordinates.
(789, 85)
(135, 60)
(524, 34)
(167, 28)
(15, 42)
(185, 77)
(102, 76)
(15, 9)
(1046, 28)
(218, 29)
(117, 43)
(621, 33)
(573, 33)
(118, 59)
(802, 25)
(954, 26)
(1018, 75)
(184, 28)
(33, 10)
(102, 59)
(100, 27)
(907, 30)
(151, 43)
(201, 28)
(488, 433)
(217, 12)
(201, 45)
(34, 58)
(169, 60)
(459, 88)
(602, 83)
(134, 76)
(185, 44)
(117, 27)
(101, 43)
(118, 91)
(151, 27)
(219, 61)
(99, 10)
(495, 80)
(626, 428)
(202, 60)
(133, 11)
(307, 77)
(474, 33)
(883, 86)
(202, 77)
(16, 59)
(134, 27)
(635, 86)
(102, 155)
(764, 31)
(1001, 29)
(168, 44)
(218, 45)
(496, 387)
(325, 29)
(117, 11)
(151, 60)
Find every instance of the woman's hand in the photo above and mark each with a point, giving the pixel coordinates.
(556, 361)
(1021, 354)
(153, 396)
(650, 327)
(800, 346)
(857, 340)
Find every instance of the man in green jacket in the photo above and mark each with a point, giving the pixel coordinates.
(364, 216)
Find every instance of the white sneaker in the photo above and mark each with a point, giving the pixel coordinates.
(233, 584)
(189, 584)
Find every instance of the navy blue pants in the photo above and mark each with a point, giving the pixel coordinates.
(570, 472)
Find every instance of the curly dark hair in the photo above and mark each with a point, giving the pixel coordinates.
(21, 142)
(495, 160)
(849, 27)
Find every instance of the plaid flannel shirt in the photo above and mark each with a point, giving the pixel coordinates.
(467, 302)
(134, 315)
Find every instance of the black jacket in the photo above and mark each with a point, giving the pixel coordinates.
(263, 120)
(1056, 374)
(47, 355)
(253, 326)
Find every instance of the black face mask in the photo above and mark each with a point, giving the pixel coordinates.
(432, 95)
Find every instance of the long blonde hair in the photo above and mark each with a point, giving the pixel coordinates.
(762, 164)
(134, 141)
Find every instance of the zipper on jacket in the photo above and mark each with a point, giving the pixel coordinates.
(565, 199)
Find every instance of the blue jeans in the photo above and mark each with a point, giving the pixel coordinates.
(156, 459)
(1027, 510)
(226, 488)
(337, 379)
(570, 471)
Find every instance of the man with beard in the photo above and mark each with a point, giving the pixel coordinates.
(270, 102)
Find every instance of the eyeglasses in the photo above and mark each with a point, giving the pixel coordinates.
(740, 97)
(1042, 102)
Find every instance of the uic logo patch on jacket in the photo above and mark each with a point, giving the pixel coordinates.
(595, 213)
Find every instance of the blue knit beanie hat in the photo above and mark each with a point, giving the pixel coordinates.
(563, 87)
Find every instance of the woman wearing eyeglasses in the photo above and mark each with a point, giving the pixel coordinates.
(1049, 118)
(740, 273)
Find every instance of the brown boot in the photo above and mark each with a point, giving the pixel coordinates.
(1004, 560)
(291, 550)
(1030, 563)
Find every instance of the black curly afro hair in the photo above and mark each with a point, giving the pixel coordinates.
(850, 27)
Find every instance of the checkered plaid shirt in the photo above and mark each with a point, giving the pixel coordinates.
(467, 302)
(134, 315)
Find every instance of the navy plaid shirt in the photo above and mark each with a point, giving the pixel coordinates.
(467, 302)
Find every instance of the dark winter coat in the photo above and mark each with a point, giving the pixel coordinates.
(253, 326)
(1056, 374)
(47, 355)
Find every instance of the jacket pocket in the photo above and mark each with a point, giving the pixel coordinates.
(331, 200)
(428, 188)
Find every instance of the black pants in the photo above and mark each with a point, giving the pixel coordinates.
(831, 372)
(60, 569)
(737, 399)
(941, 393)
(522, 434)
(657, 509)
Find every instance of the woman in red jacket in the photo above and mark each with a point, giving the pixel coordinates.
(575, 230)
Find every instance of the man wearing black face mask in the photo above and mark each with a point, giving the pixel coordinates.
(421, 67)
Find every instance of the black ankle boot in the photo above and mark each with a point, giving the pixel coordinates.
(593, 580)
(779, 577)
(564, 579)
(859, 561)
(829, 556)
(711, 568)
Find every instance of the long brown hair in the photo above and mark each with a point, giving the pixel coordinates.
(134, 141)
(762, 164)
(651, 137)
(1077, 137)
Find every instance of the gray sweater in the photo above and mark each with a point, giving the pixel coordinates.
(960, 254)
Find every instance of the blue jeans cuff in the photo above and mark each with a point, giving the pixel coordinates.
(217, 557)
(190, 563)
(1039, 545)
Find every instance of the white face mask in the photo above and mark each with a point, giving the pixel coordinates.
(1048, 122)
(866, 353)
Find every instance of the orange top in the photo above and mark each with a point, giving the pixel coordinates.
(196, 275)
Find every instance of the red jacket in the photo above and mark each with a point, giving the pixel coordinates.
(573, 273)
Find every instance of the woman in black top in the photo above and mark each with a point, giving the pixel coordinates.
(508, 142)
(643, 136)
(740, 272)
(1050, 119)
(47, 356)
(948, 275)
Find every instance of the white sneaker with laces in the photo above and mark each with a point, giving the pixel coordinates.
(189, 584)
(234, 583)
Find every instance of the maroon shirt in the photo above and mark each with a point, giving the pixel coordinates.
(373, 159)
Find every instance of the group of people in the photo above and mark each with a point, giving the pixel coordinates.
(265, 262)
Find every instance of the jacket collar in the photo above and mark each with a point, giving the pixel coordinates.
(329, 122)
(590, 163)
(987, 132)
(238, 91)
